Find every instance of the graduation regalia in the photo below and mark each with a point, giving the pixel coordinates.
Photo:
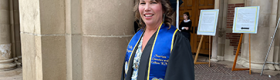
(166, 56)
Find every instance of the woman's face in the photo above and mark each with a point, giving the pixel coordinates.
(150, 11)
(186, 17)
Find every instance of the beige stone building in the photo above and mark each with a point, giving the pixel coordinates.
(224, 44)
(87, 39)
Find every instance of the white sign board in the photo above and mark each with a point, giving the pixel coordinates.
(246, 19)
(208, 22)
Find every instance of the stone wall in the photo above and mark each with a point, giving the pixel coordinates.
(75, 39)
(107, 28)
(43, 39)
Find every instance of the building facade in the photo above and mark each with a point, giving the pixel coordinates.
(87, 39)
(225, 43)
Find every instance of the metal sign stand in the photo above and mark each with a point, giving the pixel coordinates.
(272, 40)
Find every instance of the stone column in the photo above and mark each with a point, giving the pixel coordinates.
(222, 30)
(272, 23)
(42, 28)
(277, 41)
(16, 32)
(276, 57)
(218, 42)
(107, 27)
(6, 61)
(261, 41)
(74, 40)
(215, 38)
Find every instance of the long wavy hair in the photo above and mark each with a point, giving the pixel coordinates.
(166, 15)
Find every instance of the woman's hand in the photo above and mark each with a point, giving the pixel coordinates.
(186, 28)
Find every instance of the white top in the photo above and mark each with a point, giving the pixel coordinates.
(136, 61)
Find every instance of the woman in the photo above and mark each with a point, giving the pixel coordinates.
(186, 25)
(157, 51)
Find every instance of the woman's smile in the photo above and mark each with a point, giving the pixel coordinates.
(148, 16)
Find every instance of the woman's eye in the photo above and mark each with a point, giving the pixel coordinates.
(154, 3)
(142, 3)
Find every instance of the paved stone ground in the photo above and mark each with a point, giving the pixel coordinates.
(204, 72)
(11, 78)
(220, 72)
(15, 74)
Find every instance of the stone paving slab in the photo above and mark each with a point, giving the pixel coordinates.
(220, 72)
(14, 74)
(204, 72)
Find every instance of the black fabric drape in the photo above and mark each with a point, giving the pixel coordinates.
(173, 4)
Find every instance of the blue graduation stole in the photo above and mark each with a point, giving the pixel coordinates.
(160, 52)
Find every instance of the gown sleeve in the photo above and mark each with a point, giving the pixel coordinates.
(189, 25)
(181, 25)
(180, 65)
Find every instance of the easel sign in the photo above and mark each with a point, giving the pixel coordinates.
(207, 26)
(208, 22)
(245, 21)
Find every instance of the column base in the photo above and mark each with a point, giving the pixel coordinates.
(245, 63)
(7, 64)
(220, 58)
(277, 67)
(255, 65)
(14, 74)
(214, 60)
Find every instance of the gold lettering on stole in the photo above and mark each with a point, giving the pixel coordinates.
(155, 62)
(128, 50)
(159, 61)
(160, 56)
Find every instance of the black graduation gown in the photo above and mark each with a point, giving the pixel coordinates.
(180, 65)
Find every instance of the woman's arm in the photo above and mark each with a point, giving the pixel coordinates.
(181, 25)
(189, 24)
